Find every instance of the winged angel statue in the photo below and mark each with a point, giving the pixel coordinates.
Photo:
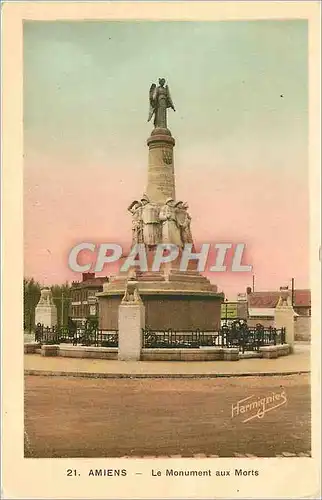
(160, 101)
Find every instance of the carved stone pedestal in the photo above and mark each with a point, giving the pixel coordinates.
(178, 300)
(285, 317)
(46, 311)
(161, 182)
(131, 320)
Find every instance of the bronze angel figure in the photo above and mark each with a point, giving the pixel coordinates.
(160, 100)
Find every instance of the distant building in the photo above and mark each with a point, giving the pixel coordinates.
(233, 310)
(83, 302)
(261, 309)
(262, 304)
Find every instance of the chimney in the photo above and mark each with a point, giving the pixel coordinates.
(88, 276)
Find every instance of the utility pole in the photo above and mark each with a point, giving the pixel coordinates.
(62, 308)
(226, 311)
(292, 292)
(253, 283)
(62, 300)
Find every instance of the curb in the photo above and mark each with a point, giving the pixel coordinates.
(283, 454)
(47, 373)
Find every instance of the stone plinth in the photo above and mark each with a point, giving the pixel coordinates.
(284, 316)
(31, 347)
(46, 311)
(50, 350)
(231, 354)
(161, 181)
(131, 320)
(178, 300)
(88, 352)
(269, 352)
(211, 354)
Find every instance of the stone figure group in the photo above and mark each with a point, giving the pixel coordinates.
(46, 298)
(131, 294)
(153, 223)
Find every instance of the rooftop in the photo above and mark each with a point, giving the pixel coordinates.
(92, 282)
(302, 298)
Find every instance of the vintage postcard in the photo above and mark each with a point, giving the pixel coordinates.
(161, 250)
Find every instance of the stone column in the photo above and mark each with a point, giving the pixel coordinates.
(161, 181)
(131, 320)
(284, 317)
(46, 311)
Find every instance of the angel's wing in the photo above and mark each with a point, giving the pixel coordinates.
(169, 103)
(130, 207)
(152, 96)
(152, 93)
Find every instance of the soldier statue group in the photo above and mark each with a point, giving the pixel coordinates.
(153, 223)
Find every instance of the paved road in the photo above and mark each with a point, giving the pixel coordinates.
(74, 417)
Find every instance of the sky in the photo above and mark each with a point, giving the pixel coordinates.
(241, 127)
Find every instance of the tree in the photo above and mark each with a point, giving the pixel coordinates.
(31, 296)
(62, 296)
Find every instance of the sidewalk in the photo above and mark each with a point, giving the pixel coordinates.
(299, 362)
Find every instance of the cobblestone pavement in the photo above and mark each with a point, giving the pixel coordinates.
(81, 417)
(297, 362)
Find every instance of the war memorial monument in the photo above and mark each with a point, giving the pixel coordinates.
(182, 300)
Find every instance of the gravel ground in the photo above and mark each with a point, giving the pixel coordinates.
(77, 417)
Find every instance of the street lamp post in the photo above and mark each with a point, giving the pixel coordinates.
(62, 299)
(226, 300)
(62, 308)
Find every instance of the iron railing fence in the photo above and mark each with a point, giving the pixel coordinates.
(181, 339)
(85, 336)
(244, 337)
(249, 338)
(236, 335)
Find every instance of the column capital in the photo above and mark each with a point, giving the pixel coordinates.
(160, 135)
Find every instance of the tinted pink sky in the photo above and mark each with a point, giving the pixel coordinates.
(240, 156)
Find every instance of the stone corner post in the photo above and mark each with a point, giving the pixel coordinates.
(284, 316)
(46, 311)
(131, 320)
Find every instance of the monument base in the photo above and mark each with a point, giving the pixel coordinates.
(46, 315)
(131, 321)
(181, 300)
(46, 311)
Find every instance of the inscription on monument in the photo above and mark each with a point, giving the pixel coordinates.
(167, 156)
(161, 180)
